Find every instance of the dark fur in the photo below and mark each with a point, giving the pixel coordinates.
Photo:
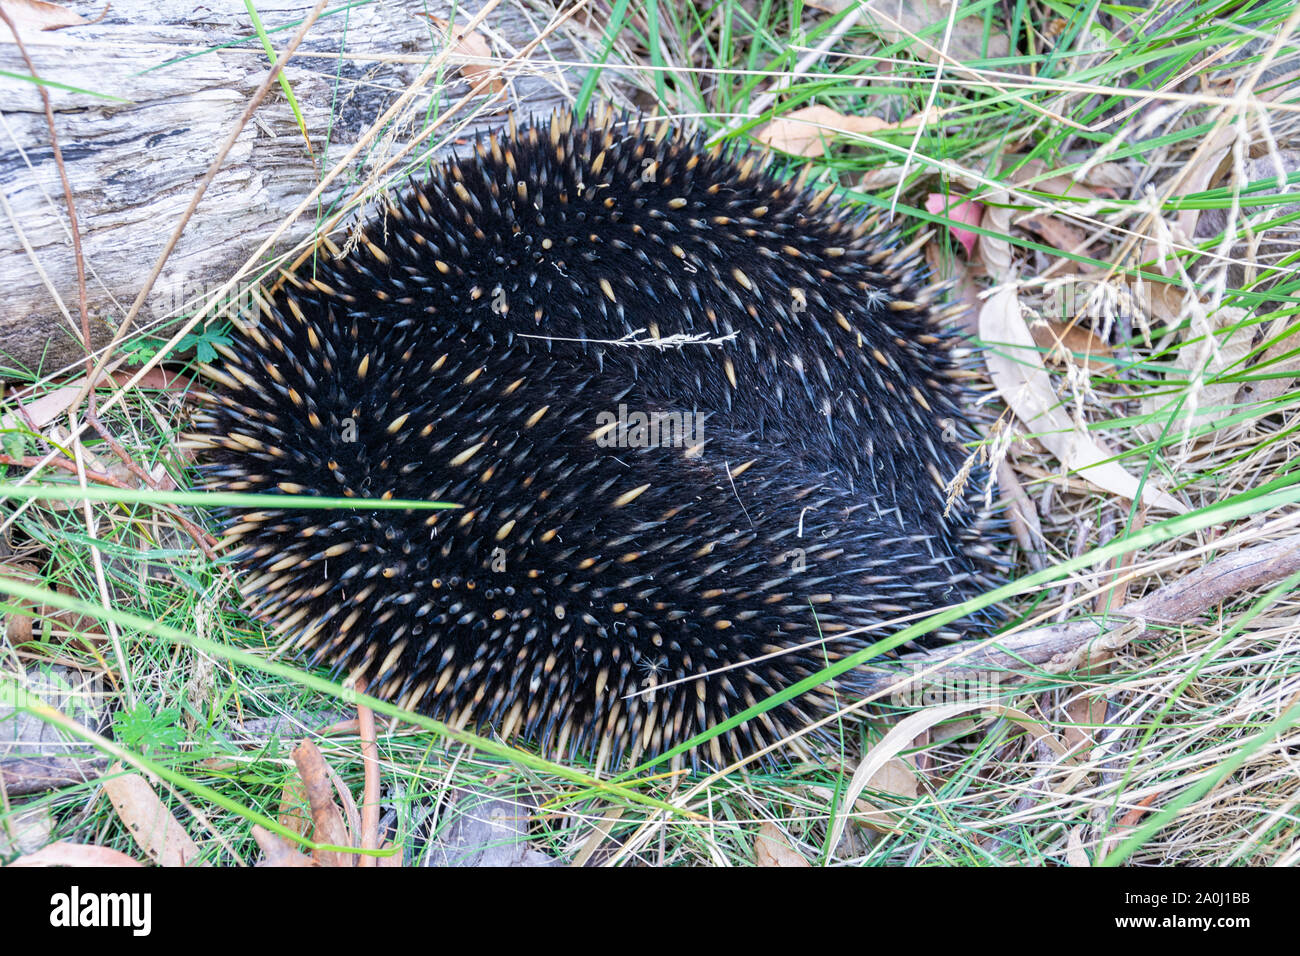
(546, 602)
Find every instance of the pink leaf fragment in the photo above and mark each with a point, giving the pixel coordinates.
(964, 211)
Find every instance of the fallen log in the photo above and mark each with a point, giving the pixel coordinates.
(141, 100)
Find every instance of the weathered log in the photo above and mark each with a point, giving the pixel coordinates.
(182, 74)
(1076, 644)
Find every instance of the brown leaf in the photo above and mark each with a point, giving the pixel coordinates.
(1057, 232)
(1111, 179)
(39, 412)
(294, 813)
(994, 250)
(1275, 361)
(18, 626)
(156, 378)
(1074, 852)
(1164, 301)
(472, 44)
(1086, 713)
(1017, 371)
(803, 132)
(897, 777)
(1137, 813)
(772, 849)
(152, 825)
(1034, 175)
(896, 20)
(947, 268)
(1068, 341)
(75, 854)
(278, 851)
(1204, 355)
(1022, 514)
(34, 15)
(86, 628)
(903, 736)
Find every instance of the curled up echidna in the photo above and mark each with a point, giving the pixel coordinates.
(650, 538)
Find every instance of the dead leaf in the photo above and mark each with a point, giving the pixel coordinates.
(896, 20)
(1022, 514)
(896, 777)
(1034, 175)
(1074, 852)
(1116, 595)
(1086, 713)
(35, 15)
(156, 378)
(294, 814)
(1164, 302)
(804, 132)
(772, 849)
(963, 211)
(995, 251)
(949, 268)
(278, 851)
(85, 627)
(1047, 218)
(903, 735)
(1197, 179)
(152, 825)
(1068, 341)
(472, 44)
(18, 625)
(1016, 368)
(1112, 179)
(882, 177)
(1056, 232)
(1277, 362)
(39, 412)
(1204, 355)
(1138, 812)
(75, 854)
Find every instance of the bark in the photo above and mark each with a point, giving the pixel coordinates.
(186, 72)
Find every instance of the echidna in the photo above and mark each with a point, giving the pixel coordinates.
(651, 537)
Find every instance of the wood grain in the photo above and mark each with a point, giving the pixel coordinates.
(187, 71)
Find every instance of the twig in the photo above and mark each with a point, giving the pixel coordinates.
(205, 541)
(1075, 644)
(324, 812)
(370, 795)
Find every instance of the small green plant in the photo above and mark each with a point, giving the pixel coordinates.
(146, 732)
(203, 341)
